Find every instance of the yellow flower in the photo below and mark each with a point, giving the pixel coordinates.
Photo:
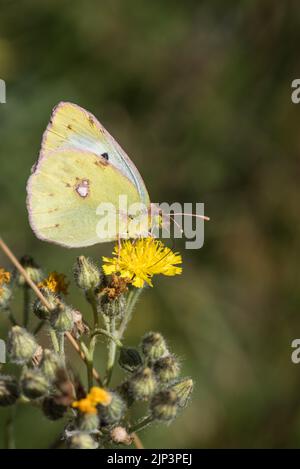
(55, 282)
(99, 396)
(4, 278)
(85, 406)
(94, 397)
(139, 260)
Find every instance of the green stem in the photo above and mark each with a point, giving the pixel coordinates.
(12, 318)
(131, 302)
(26, 305)
(61, 343)
(39, 326)
(112, 348)
(90, 295)
(142, 424)
(90, 361)
(54, 340)
(109, 335)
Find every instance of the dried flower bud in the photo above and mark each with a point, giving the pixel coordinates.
(86, 274)
(130, 359)
(112, 413)
(87, 422)
(5, 296)
(163, 405)
(79, 327)
(143, 384)
(34, 384)
(9, 390)
(166, 368)
(32, 269)
(50, 364)
(61, 318)
(52, 410)
(183, 390)
(82, 441)
(119, 435)
(21, 345)
(40, 309)
(154, 346)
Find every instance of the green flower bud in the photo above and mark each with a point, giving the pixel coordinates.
(34, 384)
(40, 309)
(143, 384)
(82, 441)
(62, 319)
(166, 368)
(154, 346)
(86, 274)
(52, 410)
(114, 412)
(9, 390)
(129, 359)
(5, 296)
(21, 345)
(87, 422)
(32, 269)
(51, 363)
(163, 405)
(113, 308)
(183, 390)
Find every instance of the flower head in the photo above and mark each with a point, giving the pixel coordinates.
(96, 396)
(55, 282)
(4, 278)
(139, 260)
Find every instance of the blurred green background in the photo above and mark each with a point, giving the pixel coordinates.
(199, 95)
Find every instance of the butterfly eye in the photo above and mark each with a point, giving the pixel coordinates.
(105, 155)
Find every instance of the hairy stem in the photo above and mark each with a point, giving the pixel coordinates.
(54, 340)
(142, 424)
(26, 305)
(112, 348)
(131, 302)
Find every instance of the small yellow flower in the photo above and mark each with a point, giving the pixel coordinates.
(99, 396)
(139, 260)
(96, 396)
(55, 282)
(4, 278)
(85, 406)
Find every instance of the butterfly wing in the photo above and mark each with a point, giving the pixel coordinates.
(64, 193)
(71, 126)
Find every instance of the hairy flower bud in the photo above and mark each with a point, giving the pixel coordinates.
(52, 410)
(21, 345)
(50, 364)
(113, 412)
(5, 296)
(183, 390)
(9, 390)
(166, 368)
(113, 308)
(62, 319)
(34, 384)
(87, 422)
(82, 441)
(154, 346)
(32, 269)
(143, 384)
(163, 405)
(119, 435)
(86, 274)
(130, 359)
(40, 309)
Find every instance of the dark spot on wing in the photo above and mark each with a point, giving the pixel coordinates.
(57, 225)
(70, 127)
(105, 156)
(68, 185)
(91, 121)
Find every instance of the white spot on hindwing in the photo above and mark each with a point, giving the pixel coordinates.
(82, 188)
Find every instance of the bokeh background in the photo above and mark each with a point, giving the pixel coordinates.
(199, 95)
